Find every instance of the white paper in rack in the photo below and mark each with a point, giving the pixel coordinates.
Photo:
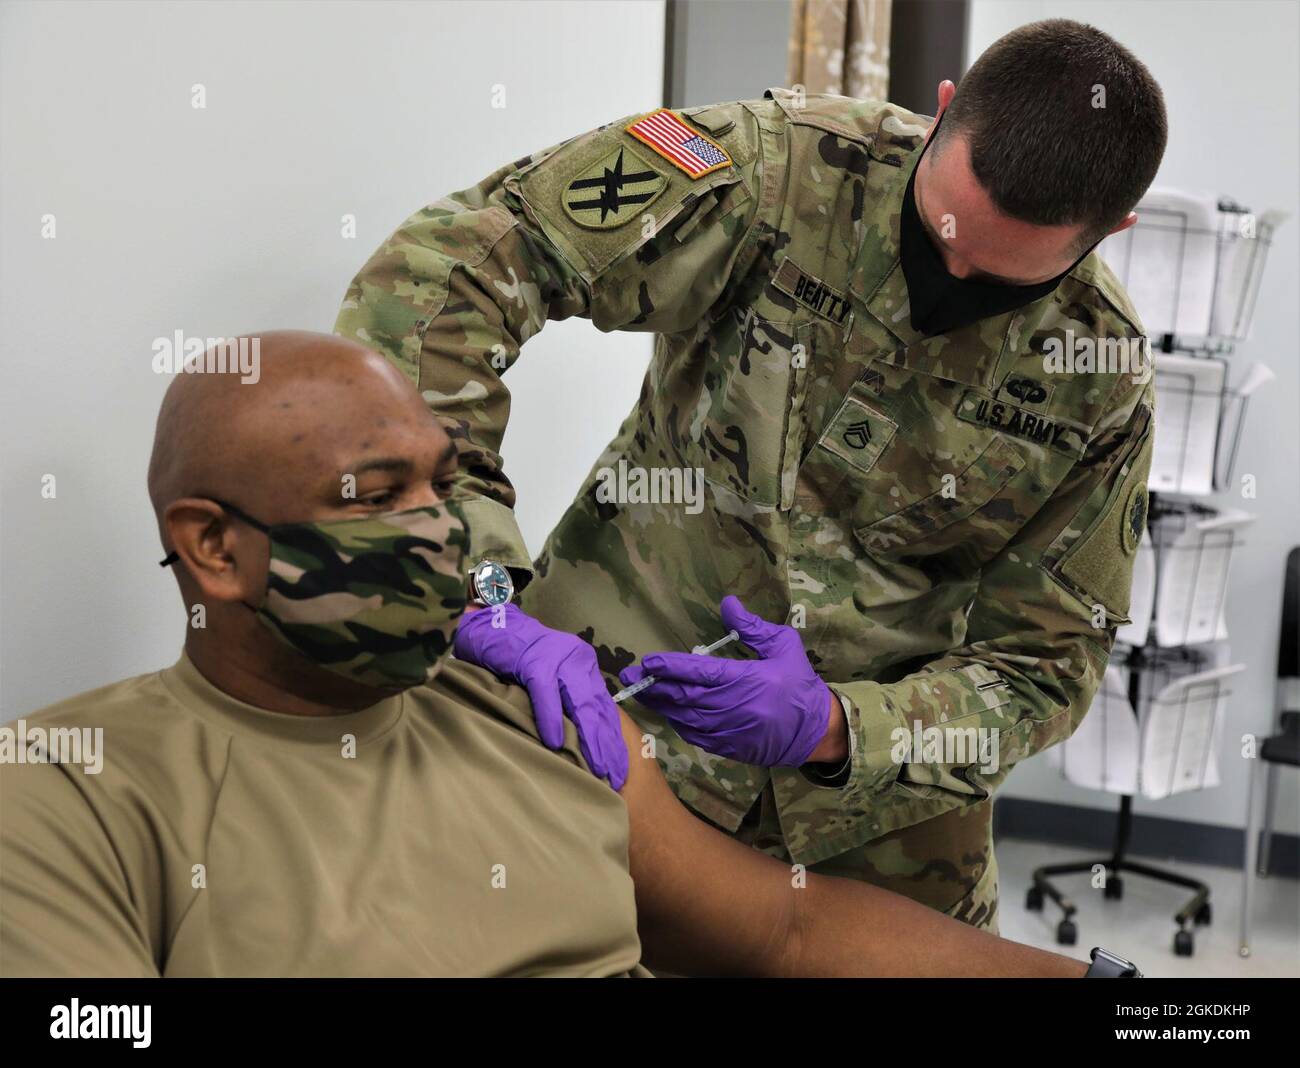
(1102, 753)
(1182, 727)
(1193, 579)
(1171, 749)
(1189, 402)
(1142, 600)
(1168, 261)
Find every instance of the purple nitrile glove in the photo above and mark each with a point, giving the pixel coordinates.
(771, 712)
(560, 673)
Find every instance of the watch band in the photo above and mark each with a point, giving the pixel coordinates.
(1107, 965)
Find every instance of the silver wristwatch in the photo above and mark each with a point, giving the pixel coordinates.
(491, 583)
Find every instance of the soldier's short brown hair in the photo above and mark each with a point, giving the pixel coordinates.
(1065, 124)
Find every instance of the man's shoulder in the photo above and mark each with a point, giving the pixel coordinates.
(120, 736)
(888, 131)
(491, 705)
(139, 705)
(126, 697)
(95, 760)
(1092, 281)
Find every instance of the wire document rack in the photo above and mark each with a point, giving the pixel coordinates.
(1192, 265)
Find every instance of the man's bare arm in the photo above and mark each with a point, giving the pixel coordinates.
(707, 904)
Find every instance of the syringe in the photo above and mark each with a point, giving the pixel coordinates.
(650, 680)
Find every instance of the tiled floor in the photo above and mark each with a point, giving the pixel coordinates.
(1141, 925)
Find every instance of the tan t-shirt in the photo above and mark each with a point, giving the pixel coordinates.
(223, 839)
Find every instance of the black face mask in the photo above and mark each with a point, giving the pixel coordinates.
(939, 302)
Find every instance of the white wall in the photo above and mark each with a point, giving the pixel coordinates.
(1231, 85)
(226, 220)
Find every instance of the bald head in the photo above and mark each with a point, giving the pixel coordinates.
(321, 408)
(322, 429)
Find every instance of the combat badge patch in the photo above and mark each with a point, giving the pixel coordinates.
(613, 191)
(1028, 392)
(683, 146)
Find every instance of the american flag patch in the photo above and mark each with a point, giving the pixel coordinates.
(679, 144)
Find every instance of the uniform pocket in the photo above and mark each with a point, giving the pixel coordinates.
(749, 405)
(912, 479)
(959, 497)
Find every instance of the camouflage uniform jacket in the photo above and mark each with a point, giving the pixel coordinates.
(950, 521)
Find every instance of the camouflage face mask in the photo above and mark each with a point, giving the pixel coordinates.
(374, 599)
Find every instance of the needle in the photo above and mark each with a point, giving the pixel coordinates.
(650, 680)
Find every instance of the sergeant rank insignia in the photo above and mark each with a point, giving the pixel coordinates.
(681, 145)
(613, 191)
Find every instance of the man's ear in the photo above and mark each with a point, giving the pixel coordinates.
(945, 94)
(947, 90)
(1129, 220)
(227, 560)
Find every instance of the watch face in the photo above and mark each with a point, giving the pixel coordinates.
(492, 583)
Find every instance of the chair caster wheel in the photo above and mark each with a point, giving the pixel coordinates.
(1066, 933)
(1204, 915)
(1183, 945)
(1114, 888)
(1034, 899)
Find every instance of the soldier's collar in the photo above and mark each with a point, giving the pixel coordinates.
(969, 354)
(877, 280)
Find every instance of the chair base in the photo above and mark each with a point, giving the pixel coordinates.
(1195, 913)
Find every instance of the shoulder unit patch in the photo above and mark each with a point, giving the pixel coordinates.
(612, 191)
(681, 145)
(1135, 519)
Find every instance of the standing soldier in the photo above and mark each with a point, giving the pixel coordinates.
(883, 342)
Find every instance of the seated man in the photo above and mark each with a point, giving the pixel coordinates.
(314, 788)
